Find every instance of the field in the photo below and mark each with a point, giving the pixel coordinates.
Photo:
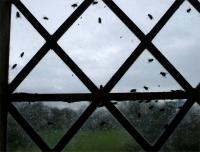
(94, 141)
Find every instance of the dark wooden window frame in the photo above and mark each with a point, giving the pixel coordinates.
(102, 95)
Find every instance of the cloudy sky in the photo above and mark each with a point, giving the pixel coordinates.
(100, 49)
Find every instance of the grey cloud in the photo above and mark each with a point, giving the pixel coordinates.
(99, 50)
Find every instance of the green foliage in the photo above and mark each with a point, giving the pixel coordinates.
(101, 132)
(16, 136)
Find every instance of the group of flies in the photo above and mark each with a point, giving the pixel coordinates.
(163, 74)
(75, 5)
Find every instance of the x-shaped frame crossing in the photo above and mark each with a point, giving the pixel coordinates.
(103, 95)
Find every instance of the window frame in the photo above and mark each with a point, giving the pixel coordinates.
(99, 95)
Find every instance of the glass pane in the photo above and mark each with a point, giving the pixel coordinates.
(99, 43)
(17, 139)
(25, 41)
(179, 42)
(51, 13)
(146, 75)
(150, 117)
(51, 119)
(145, 13)
(51, 75)
(186, 137)
(102, 132)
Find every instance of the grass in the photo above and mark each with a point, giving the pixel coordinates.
(96, 141)
(90, 141)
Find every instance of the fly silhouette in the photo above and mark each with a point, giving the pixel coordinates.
(95, 2)
(146, 88)
(150, 60)
(101, 87)
(114, 103)
(147, 101)
(22, 54)
(188, 10)
(178, 90)
(18, 15)
(74, 5)
(121, 37)
(14, 66)
(151, 107)
(150, 16)
(162, 109)
(45, 18)
(139, 115)
(103, 123)
(156, 101)
(49, 123)
(140, 101)
(163, 74)
(133, 90)
(99, 20)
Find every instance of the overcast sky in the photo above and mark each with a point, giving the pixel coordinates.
(100, 49)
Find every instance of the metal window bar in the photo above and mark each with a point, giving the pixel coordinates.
(102, 95)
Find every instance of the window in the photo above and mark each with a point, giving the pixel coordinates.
(99, 94)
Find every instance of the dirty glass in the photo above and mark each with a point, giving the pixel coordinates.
(99, 43)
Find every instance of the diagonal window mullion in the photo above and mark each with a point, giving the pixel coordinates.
(145, 43)
(125, 66)
(27, 127)
(29, 16)
(127, 125)
(174, 123)
(39, 55)
(169, 67)
(75, 68)
(195, 4)
(132, 58)
(72, 18)
(125, 19)
(51, 39)
(75, 127)
(28, 68)
(62, 29)
(165, 18)
(146, 39)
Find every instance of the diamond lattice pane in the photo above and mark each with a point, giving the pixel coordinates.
(51, 13)
(17, 139)
(25, 41)
(146, 75)
(150, 117)
(51, 75)
(145, 13)
(51, 119)
(179, 42)
(102, 132)
(186, 135)
(99, 43)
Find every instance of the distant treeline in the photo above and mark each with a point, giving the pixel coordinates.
(151, 118)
